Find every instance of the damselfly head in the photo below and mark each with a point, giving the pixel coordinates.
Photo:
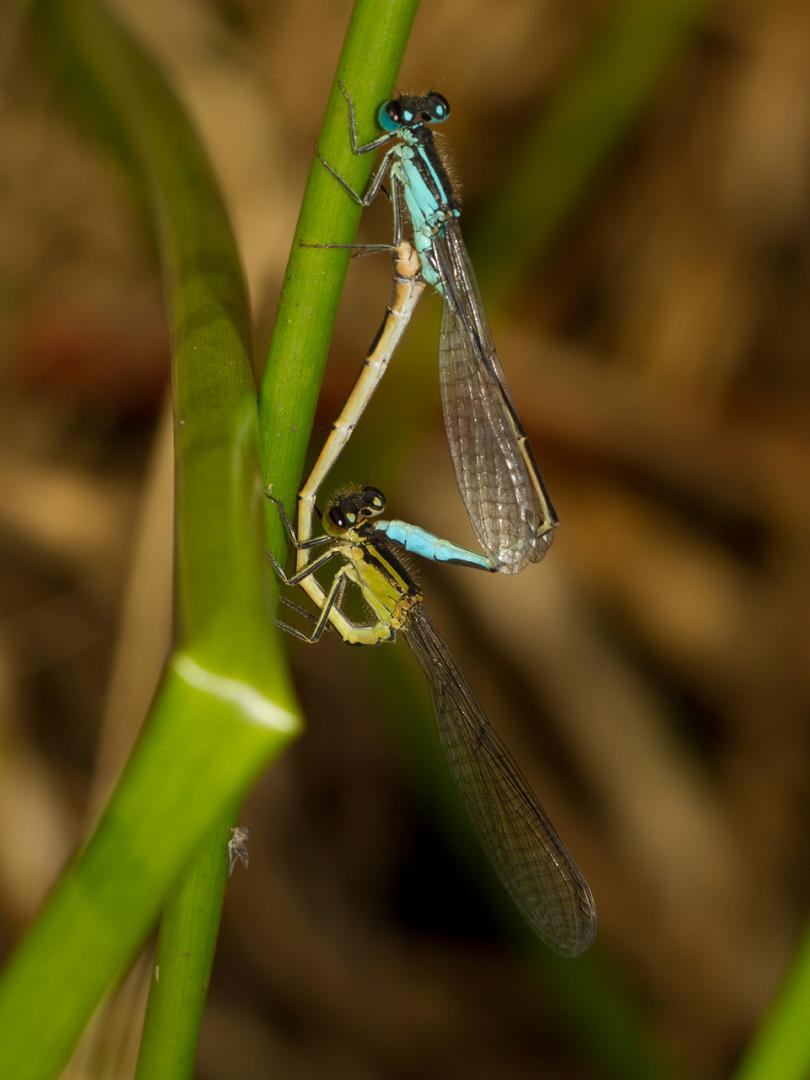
(411, 112)
(353, 510)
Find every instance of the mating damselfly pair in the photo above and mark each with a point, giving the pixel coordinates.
(510, 510)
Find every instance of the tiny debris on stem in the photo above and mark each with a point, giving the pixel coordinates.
(237, 847)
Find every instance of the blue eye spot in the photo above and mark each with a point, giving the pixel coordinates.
(407, 116)
(439, 107)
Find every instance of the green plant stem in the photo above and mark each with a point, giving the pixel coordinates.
(781, 1048)
(369, 61)
(183, 959)
(224, 708)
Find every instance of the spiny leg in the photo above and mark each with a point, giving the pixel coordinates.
(302, 611)
(333, 598)
(351, 633)
(373, 189)
(356, 249)
(310, 568)
(375, 144)
(310, 542)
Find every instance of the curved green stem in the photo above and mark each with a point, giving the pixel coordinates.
(183, 959)
(224, 708)
(371, 55)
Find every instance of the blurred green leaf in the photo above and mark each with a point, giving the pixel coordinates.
(576, 134)
(781, 1048)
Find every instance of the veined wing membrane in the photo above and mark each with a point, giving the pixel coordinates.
(500, 483)
(518, 837)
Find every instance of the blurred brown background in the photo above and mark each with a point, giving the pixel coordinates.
(651, 677)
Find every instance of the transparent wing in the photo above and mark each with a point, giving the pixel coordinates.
(515, 832)
(497, 475)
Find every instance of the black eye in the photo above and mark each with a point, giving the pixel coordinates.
(374, 500)
(393, 111)
(439, 106)
(336, 517)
